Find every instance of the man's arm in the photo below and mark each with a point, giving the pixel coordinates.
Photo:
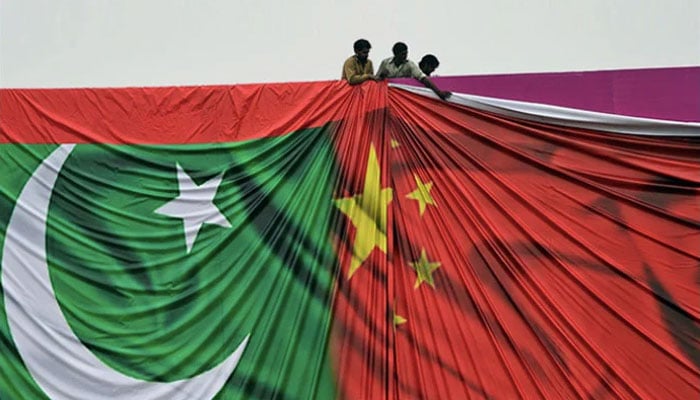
(442, 94)
(382, 72)
(418, 74)
(354, 76)
(357, 79)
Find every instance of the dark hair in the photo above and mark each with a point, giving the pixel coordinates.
(429, 59)
(399, 47)
(361, 44)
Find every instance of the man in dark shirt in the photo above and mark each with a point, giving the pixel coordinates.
(428, 64)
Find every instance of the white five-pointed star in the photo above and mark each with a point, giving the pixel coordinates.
(195, 205)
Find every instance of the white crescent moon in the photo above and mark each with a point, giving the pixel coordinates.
(62, 366)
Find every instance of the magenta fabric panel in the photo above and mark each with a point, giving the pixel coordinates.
(661, 93)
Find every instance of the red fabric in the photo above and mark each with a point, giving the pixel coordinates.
(361, 341)
(569, 259)
(207, 114)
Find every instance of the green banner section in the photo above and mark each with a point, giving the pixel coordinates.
(163, 297)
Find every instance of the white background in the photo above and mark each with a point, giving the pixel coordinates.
(82, 43)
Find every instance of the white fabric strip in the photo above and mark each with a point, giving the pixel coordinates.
(567, 116)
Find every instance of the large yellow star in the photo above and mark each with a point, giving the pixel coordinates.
(367, 211)
(424, 270)
(422, 194)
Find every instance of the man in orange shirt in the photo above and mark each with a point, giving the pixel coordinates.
(358, 68)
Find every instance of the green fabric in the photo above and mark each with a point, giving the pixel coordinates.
(19, 162)
(149, 309)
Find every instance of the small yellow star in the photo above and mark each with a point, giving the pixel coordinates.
(395, 143)
(399, 320)
(367, 211)
(424, 270)
(422, 194)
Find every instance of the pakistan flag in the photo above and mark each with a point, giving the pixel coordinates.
(168, 271)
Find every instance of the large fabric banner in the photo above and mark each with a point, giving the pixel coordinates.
(316, 240)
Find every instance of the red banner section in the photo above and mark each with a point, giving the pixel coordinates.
(178, 115)
(508, 259)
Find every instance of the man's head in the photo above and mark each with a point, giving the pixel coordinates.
(400, 51)
(361, 48)
(428, 64)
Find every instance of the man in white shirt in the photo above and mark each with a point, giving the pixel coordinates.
(399, 66)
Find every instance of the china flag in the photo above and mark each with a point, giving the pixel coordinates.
(490, 258)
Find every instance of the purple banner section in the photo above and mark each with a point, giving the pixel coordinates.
(660, 93)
